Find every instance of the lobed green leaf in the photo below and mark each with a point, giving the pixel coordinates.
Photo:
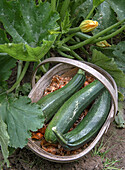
(110, 66)
(118, 7)
(65, 24)
(105, 17)
(4, 140)
(115, 51)
(119, 55)
(30, 27)
(119, 118)
(3, 37)
(6, 64)
(97, 2)
(81, 12)
(21, 116)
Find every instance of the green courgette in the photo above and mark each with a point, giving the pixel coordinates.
(89, 126)
(71, 110)
(53, 101)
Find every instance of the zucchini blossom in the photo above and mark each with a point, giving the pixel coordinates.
(103, 44)
(88, 25)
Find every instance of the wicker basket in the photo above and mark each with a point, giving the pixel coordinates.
(61, 68)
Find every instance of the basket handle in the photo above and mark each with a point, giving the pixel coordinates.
(112, 88)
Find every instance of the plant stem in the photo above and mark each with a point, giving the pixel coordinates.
(65, 55)
(19, 69)
(20, 63)
(90, 13)
(73, 30)
(72, 42)
(110, 35)
(64, 40)
(82, 48)
(43, 69)
(82, 36)
(20, 78)
(76, 55)
(95, 36)
(63, 48)
(84, 51)
(85, 36)
(59, 36)
(53, 5)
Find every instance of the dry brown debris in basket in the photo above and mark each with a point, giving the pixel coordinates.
(57, 82)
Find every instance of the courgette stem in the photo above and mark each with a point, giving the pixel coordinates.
(80, 71)
(82, 48)
(64, 54)
(73, 30)
(85, 36)
(19, 69)
(85, 52)
(20, 78)
(110, 35)
(90, 13)
(64, 48)
(64, 40)
(76, 55)
(43, 69)
(82, 36)
(59, 136)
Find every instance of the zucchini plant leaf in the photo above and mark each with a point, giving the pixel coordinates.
(30, 27)
(3, 37)
(115, 51)
(65, 24)
(110, 66)
(25, 52)
(122, 90)
(118, 7)
(105, 17)
(120, 96)
(81, 12)
(97, 2)
(21, 116)
(24, 89)
(119, 55)
(6, 64)
(3, 93)
(74, 5)
(4, 140)
(119, 118)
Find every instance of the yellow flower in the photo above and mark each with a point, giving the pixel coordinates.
(103, 44)
(88, 25)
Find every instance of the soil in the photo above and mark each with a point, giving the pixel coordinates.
(113, 142)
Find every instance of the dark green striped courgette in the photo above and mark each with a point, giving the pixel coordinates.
(53, 101)
(89, 126)
(71, 110)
